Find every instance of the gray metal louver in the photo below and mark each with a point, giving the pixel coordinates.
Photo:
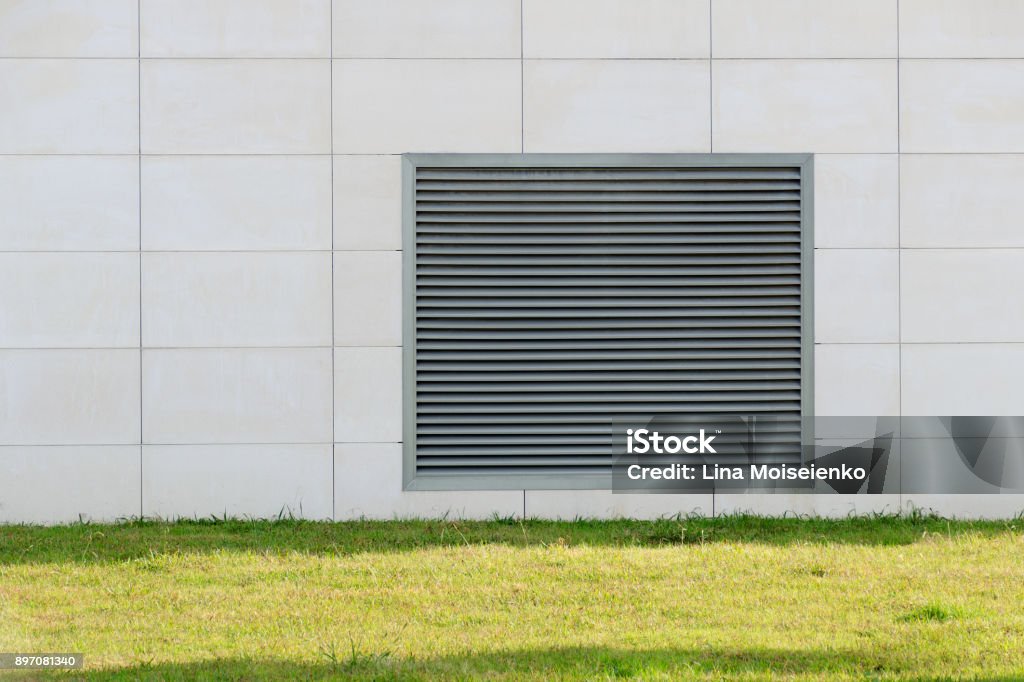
(547, 295)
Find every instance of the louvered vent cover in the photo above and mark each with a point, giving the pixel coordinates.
(548, 295)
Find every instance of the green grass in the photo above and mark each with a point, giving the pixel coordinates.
(909, 598)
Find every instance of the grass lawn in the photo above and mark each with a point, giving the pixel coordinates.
(731, 598)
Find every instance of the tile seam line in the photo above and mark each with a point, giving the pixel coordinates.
(43, 349)
(711, 77)
(293, 252)
(694, 58)
(899, 244)
(301, 154)
(138, 39)
(334, 425)
(182, 252)
(362, 442)
(176, 348)
(895, 342)
(187, 444)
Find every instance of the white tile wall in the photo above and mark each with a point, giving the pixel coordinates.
(68, 28)
(804, 105)
(961, 105)
(615, 106)
(616, 29)
(236, 28)
(238, 204)
(69, 397)
(391, 106)
(367, 395)
(604, 504)
(236, 299)
(856, 201)
(69, 483)
(265, 395)
(961, 200)
(211, 203)
(771, 504)
(243, 106)
(854, 379)
(69, 203)
(969, 506)
(260, 481)
(806, 505)
(69, 300)
(368, 484)
(368, 202)
(836, 506)
(962, 379)
(961, 28)
(368, 298)
(856, 296)
(804, 28)
(69, 106)
(962, 295)
(412, 28)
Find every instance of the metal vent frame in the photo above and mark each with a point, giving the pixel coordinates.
(545, 481)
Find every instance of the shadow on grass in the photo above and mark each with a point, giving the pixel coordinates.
(587, 663)
(96, 543)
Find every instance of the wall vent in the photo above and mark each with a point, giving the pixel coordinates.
(546, 295)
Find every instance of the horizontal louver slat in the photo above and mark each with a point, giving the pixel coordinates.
(520, 208)
(631, 323)
(549, 301)
(589, 335)
(593, 199)
(625, 368)
(610, 174)
(537, 317)
(557, 302)
(607, 355)
(681, 217)
(696, 403)
(570, 419)
(597, 185)
(424, 271)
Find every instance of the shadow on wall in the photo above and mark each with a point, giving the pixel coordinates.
(582, 663)
(93, 543)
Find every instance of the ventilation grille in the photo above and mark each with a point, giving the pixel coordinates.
(550, 300)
